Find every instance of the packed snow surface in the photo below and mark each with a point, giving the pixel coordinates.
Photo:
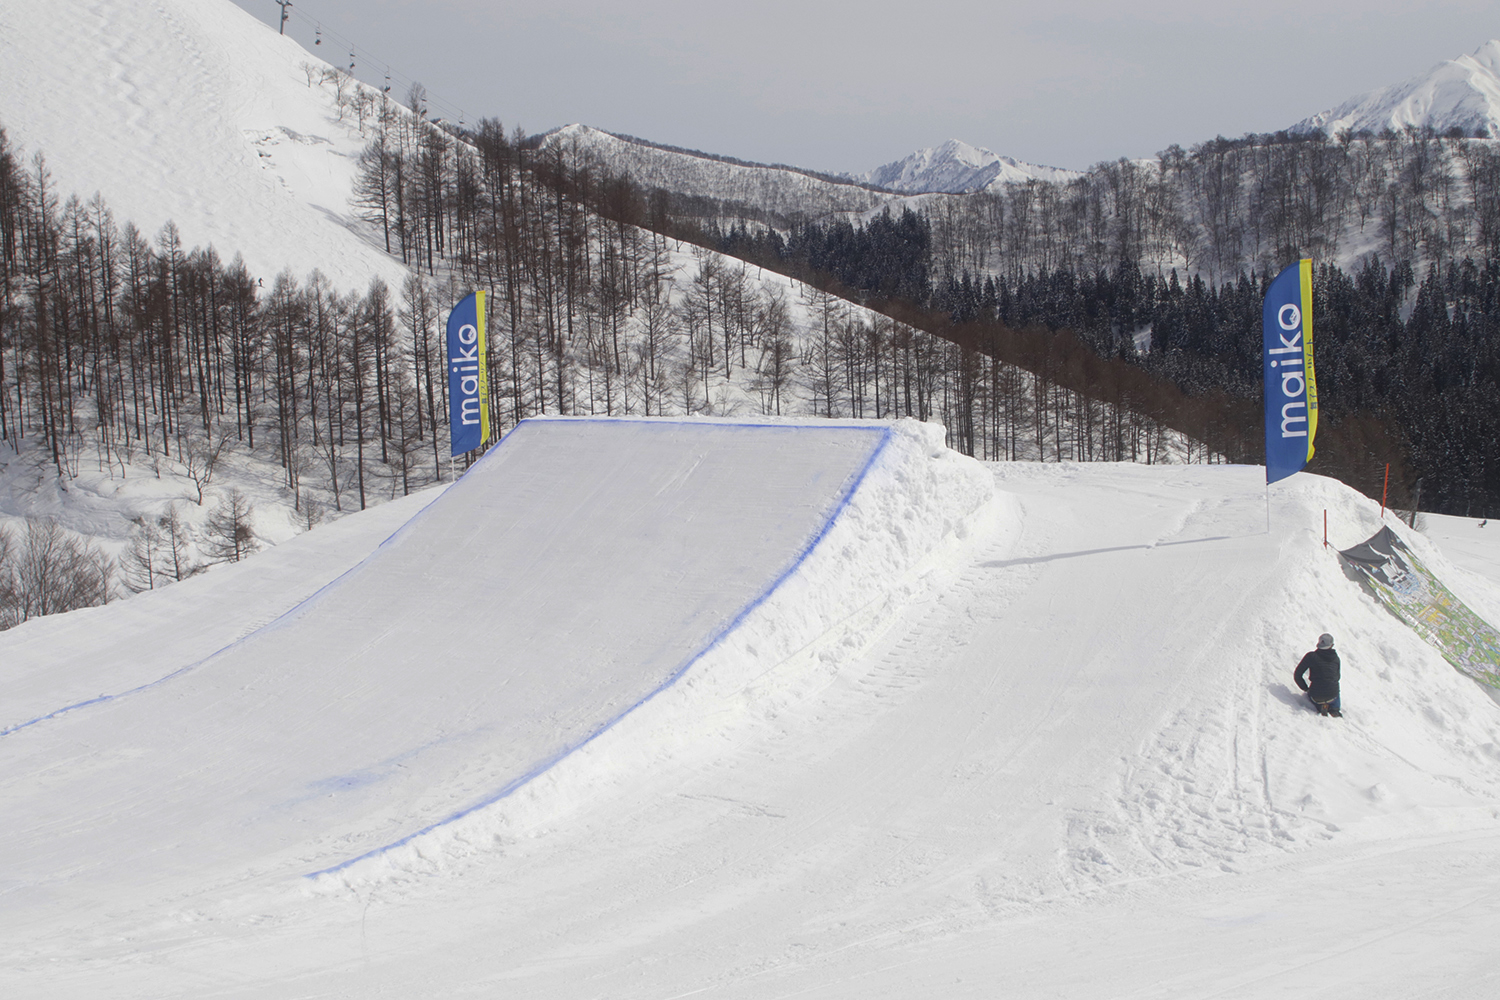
(657, 708)
(190, 112)
(1462, 92)
(1470, 542)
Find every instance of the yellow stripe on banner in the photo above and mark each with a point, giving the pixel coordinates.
(484, 370)
(1307, 354)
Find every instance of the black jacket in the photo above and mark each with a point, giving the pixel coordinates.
(1321, 666)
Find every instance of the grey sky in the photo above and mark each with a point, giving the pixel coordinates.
(842, 86)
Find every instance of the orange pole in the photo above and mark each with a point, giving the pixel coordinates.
(1384, 489)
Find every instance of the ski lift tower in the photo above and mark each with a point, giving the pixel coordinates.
(285, 6)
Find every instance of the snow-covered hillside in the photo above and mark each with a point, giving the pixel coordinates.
(953, 168)
(956, 167)
(195, 112)
(1461, 93)
(781, 191)
(943, 730)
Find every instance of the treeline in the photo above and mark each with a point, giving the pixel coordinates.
(116, 348)
(119, 348)
(1227, 207)
(1220, 209)
(1423, 388)
(131, 354)
(1097, 254)
(1432, 377)
(1405, 339)
(595, 308)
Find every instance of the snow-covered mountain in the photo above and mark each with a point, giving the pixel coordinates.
(779, 190)
(195, 112)
(782, 193)
(1459, 93)
(956, 167)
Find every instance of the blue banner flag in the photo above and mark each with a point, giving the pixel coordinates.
(1291, 390)
(468, 380)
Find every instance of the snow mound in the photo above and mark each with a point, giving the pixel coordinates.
(928, 706)
(582, 569)
(912, 501)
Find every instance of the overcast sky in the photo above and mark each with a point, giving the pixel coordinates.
(842, 86)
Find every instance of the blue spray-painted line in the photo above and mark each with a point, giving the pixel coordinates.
(307, 602)
(547, 763)
(280, 620)
(277, 622)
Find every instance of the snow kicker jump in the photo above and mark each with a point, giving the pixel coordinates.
(577, 571)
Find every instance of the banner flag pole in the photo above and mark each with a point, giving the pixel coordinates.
(468, 377)
(1291, 390)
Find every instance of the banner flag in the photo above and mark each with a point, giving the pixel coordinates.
(468, 379)
(1291, 390)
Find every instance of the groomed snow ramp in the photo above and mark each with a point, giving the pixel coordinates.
(577, 571)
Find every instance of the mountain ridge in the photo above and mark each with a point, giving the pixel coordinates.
(956, 167)
(581, 130)
(1461, 93)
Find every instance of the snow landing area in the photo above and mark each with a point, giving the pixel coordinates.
(668, 708)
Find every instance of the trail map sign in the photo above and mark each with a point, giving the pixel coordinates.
(1398, 580)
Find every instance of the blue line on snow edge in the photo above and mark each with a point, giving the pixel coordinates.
(547, 763)
(308, 601)
(279, 620)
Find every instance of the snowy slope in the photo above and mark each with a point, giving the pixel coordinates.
(616, 553)
(195, 112)
(1462, 92)
(1470, 542)
(1031, 733)
(192, 111)
(956, 167)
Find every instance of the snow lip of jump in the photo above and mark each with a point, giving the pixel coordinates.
(910, 496)
(312, 599)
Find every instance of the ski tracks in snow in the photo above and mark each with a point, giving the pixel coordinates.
(1195, 794)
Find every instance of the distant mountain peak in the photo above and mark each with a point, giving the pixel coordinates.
(956, 167)
(1459, 93)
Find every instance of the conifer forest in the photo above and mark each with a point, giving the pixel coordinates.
(1166, 267)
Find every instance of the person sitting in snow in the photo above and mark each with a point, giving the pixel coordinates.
(1321, 668)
